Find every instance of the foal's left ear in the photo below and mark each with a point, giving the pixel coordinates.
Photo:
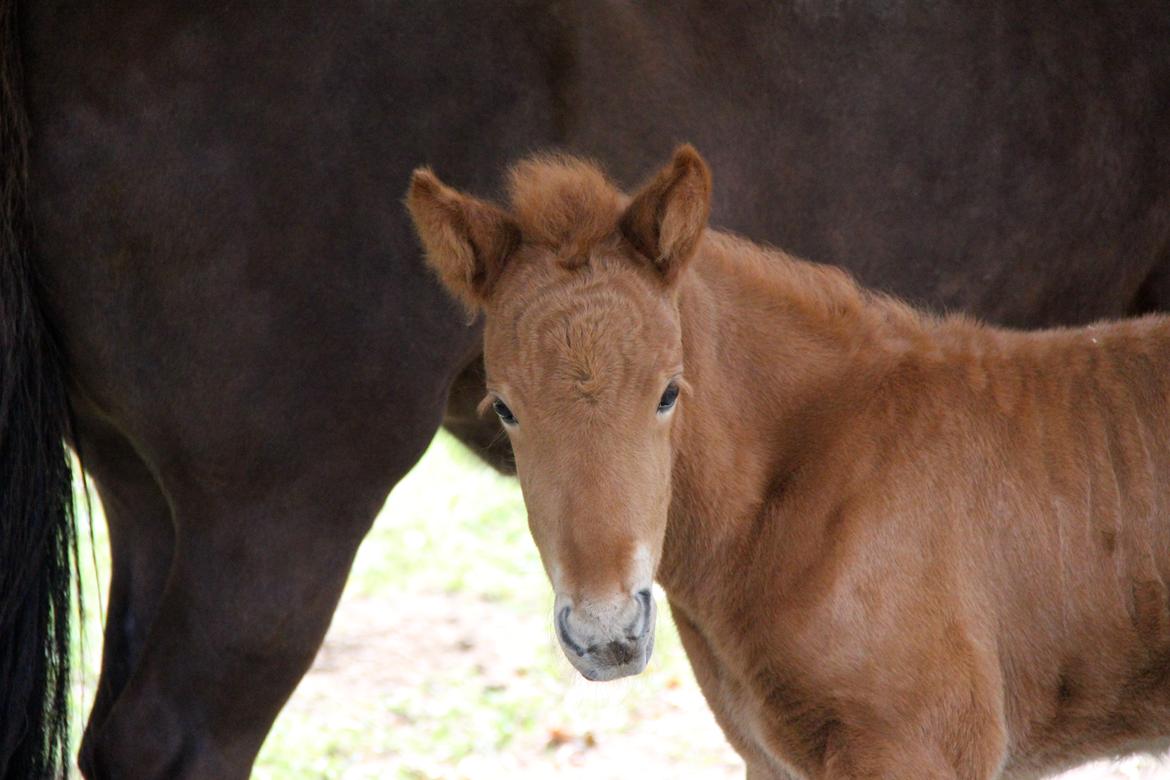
(466, 239)
(665, 220)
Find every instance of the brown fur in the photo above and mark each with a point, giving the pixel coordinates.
(468, 239)
(895, 545)
(564, 203)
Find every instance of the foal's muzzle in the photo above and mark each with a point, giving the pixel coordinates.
(605, 640)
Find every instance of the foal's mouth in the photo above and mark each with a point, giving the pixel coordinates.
(626, 664)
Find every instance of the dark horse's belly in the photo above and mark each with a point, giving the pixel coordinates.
(257, 353)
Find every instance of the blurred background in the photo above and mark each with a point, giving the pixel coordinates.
(441, 663)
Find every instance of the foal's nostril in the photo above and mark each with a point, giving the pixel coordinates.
(641, 624)
(563, 630)
(643, 597)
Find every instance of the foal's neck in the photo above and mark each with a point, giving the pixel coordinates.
(774, 349)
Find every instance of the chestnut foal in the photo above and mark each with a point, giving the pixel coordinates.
(895, 545)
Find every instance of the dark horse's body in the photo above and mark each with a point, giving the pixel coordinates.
(254, 353)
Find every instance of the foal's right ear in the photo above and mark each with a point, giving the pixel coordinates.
(466, 240)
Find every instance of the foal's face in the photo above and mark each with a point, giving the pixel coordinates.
(584, 368)
(585, 376)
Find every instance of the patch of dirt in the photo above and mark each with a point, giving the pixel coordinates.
(375, 646)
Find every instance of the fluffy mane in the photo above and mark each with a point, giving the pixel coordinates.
(565, 203)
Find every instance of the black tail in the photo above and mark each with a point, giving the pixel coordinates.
(36, 524)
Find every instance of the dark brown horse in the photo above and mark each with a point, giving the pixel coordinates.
(205, 258)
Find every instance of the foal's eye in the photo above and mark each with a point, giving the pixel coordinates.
(505, 414)
(669, 396)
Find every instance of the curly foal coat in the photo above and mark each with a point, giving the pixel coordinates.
(895, 545)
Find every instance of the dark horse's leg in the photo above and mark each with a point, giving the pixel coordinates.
(141, 542)
(246, 605)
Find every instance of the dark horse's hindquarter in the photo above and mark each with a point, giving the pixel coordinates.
(256, 354)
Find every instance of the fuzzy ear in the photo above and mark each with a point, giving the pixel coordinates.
(466, 240)
(665, 220)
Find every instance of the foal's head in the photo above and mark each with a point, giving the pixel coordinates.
(579, 285)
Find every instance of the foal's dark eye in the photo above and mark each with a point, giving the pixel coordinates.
(504, 413)
(669, 396)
